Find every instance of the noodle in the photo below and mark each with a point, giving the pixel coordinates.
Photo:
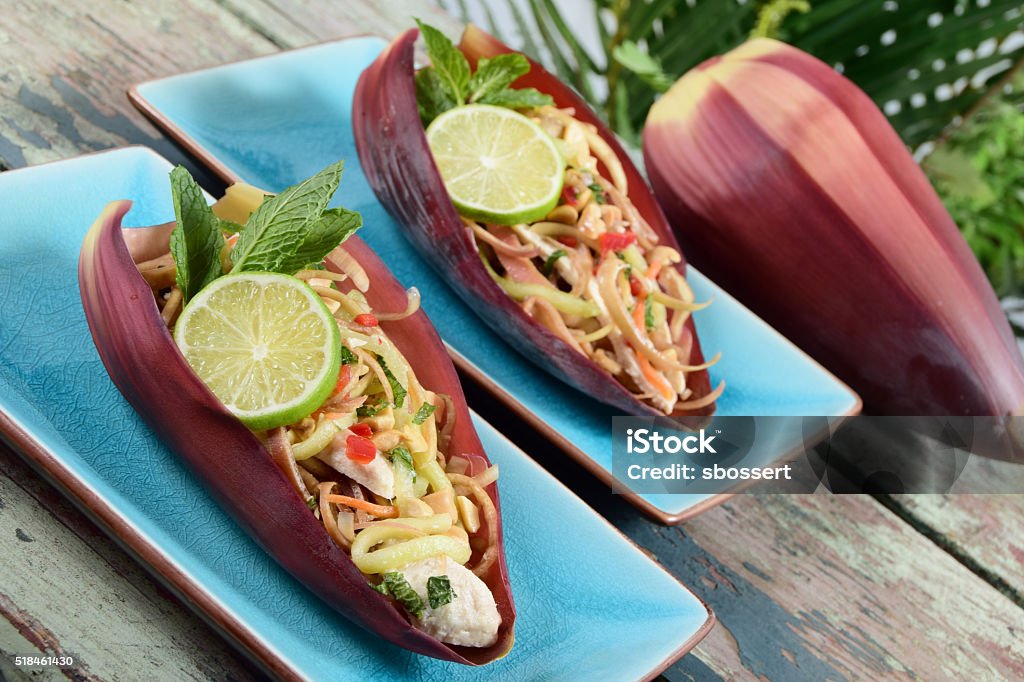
(566, 272)
(172, 307)
(485, 503)
(412, 304)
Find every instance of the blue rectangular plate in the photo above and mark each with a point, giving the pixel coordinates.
(275, 120)
(588, 600)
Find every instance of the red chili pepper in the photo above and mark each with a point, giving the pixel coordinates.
(366, 319)
(570, 196)
(361, 429)
(568, 241)
(359, 449)
(616, 241)
(344, 376)
(636, 287)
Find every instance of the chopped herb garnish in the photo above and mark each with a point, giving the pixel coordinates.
(439, 591)
(396, 388)
(312, 504)
(348, 357)
(649, 311)
(402, 591)
(598, 192)
(382, 588)
(629, 268)
(426, 409)
(402, 454)
(549, 263)
(371, 410)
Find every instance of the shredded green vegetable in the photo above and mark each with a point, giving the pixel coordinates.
(562, 301)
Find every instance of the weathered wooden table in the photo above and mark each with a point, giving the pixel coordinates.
(805, 587)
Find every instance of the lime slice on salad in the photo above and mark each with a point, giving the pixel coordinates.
(264, 343)
(497, 165)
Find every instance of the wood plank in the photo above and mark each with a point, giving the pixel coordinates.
(823, 587)
(981, 528)
(68, 65)
(66, 589)
(291, 23)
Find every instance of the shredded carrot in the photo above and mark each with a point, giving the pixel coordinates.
(640, 313)
(379, 510)
(654, 270)
(654, 376)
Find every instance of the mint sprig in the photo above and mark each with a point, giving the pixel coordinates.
(288, 232)
(449, 82)
(496, 74)
(448, 62)
(197, 240)
(293, 229)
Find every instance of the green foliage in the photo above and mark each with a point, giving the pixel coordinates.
(906, 54)
(979, 172)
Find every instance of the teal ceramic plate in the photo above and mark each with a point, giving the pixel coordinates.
(275, 120)
(588, 600)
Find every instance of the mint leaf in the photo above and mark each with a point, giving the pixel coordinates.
(549, 263)
(323, 236)
(196, 240)
(402, 454)
(525, 98)
(348, 357)
(396, 388)
(496, 74)
(275, 236)
(426, 409)
(439, 591)
(371, 410)
(432, 98)
(402, 591)
(450, 64)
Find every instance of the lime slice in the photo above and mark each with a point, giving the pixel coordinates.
(497, 165)
(264, 343)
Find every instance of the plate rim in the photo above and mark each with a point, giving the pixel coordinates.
(667, 518)
(190, 591)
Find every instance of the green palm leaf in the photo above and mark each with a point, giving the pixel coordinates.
(890, 48)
